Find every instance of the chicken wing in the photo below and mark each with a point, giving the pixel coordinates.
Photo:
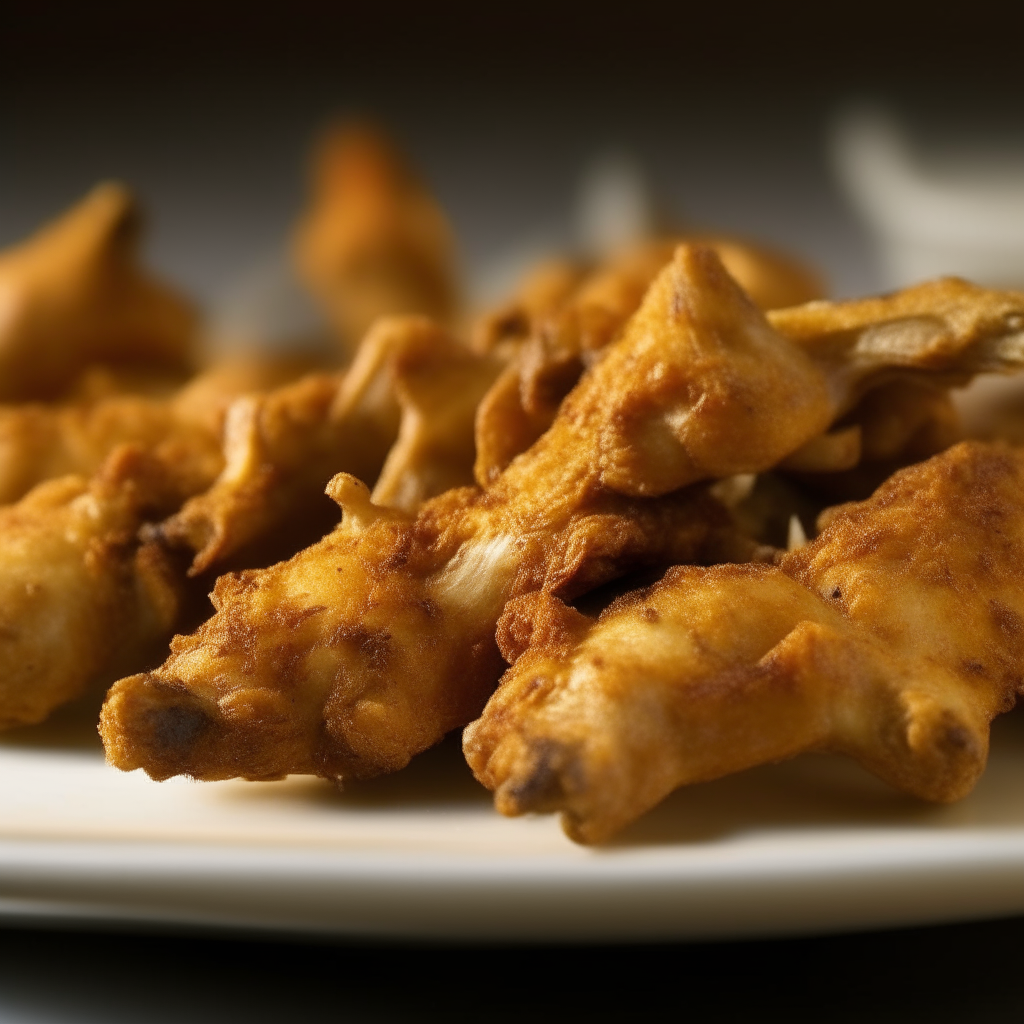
(572, 334)
(73, 294)
(80, 598)
(366, 647)
(373, 241)
(895, 638)
(283, 447)
(40, 441)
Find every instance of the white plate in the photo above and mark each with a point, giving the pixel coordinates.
(811, 845)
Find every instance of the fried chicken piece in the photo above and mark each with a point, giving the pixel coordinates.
(182, 430)
(438, 383)
(368, 646)
(80, 598)
(281, 448)
(73, 294)
(543, 290)
(895, 637)
(365, 648)
(724, 392)
(373, 241)
(525, 398)
(948, 327)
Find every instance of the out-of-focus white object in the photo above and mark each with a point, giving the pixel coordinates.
(962, 215)
(614, 206)
(265, 307)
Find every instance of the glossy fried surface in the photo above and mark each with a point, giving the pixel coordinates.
(894, 637)
(948, 326)
(572, 334)
(438, 384)
(281, 448)
(40, 441)
(373, 241)
(367, 647)
(74, 294)
(79, 596)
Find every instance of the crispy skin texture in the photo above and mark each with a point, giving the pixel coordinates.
(540, 294)
(895, 638)
(373, 241)
(572, 333)
(367, 647)
(73, 295)
(40, 441)
(948, 328)
(282, 448)
(438, 383)
(79, 596)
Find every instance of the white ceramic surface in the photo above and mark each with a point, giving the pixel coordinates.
(813, 845)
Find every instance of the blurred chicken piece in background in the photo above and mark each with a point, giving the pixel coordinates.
(74, 295)
(373, 240)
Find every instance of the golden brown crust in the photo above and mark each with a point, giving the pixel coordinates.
(571, 333)
(79, 596)
(438, 383)
(73, 295)
(39, 441)
(373, 242)
(895, 637)
(699, 385)
(281, 448)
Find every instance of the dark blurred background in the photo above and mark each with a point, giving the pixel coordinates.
(207, 110)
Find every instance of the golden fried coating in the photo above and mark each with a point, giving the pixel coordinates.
(439, 384)
(368, 646)
(182, 430)
(895, 638)
(79, 596)
(564, 340)
(73, 294)
(373, 241)
(948, 327)
(543, 290)
(281, 448)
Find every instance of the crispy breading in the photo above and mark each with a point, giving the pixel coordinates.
(565, 339)
(541, 292)
(373, 241)
(281, 448)
(366, 647)
(895, 638)
(73, 294)
(438, 383)
(948, 327)
(701, 385)
(79, 596)
(40, 441)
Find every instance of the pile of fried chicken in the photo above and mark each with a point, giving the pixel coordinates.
(654, 519)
